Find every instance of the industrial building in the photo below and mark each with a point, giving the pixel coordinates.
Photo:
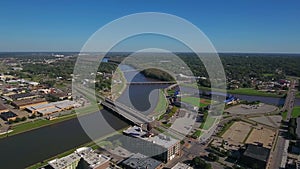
(22, 104)
(54, 107)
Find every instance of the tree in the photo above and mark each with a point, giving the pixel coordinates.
(213, 157)
(82, 164)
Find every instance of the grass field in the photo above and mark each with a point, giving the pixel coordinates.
(162, 104)
(244, 91)
(195, 101)
(296, 112)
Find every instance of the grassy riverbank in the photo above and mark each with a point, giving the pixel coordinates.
(241, 91)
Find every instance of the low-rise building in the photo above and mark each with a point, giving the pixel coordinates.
(140, 161)
(182, 166)
(46, 109)
(22, 96)
(255, 156)
(8, 116)
(94, 160)
(22, 104)
(3, 108)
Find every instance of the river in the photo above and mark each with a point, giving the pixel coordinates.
(37, 145)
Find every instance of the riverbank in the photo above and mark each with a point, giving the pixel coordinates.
(93, 144)
(41, 122)
(241, 91)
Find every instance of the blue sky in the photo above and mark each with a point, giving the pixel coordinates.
(234, 26)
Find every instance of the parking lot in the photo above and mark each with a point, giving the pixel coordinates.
(250, 109)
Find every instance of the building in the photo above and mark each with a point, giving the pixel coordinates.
(140, 161)
(3, 108)
(94, 160)
(8, 116)
(22, 104)
(134, 131)
(22, 96)
(182, 166)
(54, 107)
(255, 156)
(170, 147)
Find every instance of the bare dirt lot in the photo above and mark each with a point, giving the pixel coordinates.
(261, 135)
(237, 133)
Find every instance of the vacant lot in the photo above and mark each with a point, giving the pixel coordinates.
(261, 135)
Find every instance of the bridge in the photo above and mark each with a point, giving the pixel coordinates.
(126, 112)
(150, 83)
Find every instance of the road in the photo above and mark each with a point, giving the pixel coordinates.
(289, 102)
(277, 154)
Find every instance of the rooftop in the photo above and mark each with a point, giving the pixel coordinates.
(140, 161)
(2, 107)
(7, 115)
(257, 152)
(163, 140)
(92, 158)
(22, 95)
(182, 166)
(59, 105)
(28, 101)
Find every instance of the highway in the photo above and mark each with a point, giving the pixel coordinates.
(126, 112)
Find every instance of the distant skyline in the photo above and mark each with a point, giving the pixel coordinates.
(269, 26)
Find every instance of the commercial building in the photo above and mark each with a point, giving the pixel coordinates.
(182, 166)
(94, 160)
(140, 161)
(47, 109)
(255, 156)
(22, 104)
(170, 147)
(7, 116)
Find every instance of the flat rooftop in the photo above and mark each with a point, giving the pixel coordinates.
(182, 166)
(59, 105)
(140, 161)
(64, 162)
(28, 102)
(163, 140)
(257, 152)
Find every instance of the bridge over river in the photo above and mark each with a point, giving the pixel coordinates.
(126, 112)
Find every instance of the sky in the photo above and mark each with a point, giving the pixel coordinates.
(232, 26)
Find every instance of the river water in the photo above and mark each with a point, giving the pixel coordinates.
(37, 145)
